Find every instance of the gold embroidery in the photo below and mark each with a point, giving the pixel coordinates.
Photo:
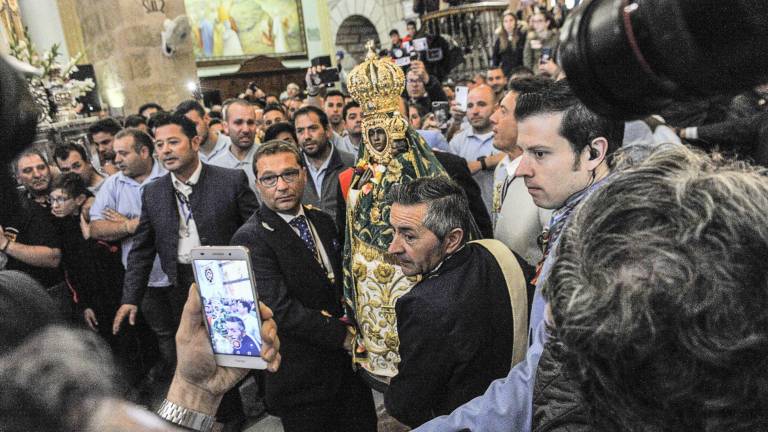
(376, 295)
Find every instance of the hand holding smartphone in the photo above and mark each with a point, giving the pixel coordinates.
(230, 305)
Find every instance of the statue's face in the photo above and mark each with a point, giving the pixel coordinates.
(399, 147)
(378, 138)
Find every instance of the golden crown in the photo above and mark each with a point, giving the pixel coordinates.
(376, 84)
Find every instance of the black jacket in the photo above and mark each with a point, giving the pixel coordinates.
(455, 336)
(511, 57)
(291, 282)
(558, 404)
(456, 167)
(221, 202)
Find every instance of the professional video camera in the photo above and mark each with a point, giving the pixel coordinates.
(630, 58)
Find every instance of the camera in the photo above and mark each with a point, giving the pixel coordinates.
(629, 58)
(329, 76)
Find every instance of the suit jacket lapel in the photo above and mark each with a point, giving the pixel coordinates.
(172, 211)
(330, 242)
(286, 237)
(196, 202)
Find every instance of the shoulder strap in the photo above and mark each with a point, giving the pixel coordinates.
(518, 295)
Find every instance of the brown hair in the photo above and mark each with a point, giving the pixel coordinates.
(501, 32)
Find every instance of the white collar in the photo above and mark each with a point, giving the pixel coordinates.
(512, 165)
(325, 163)
(193, 179)
(248, 156)
(288, 218)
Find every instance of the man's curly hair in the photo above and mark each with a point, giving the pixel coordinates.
(660, 296)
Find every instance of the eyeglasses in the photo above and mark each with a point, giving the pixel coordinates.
(289, 176)
(58, 200)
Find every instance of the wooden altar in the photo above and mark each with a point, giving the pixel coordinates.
(268, 73)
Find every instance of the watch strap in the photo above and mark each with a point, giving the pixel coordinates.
(483, 165)
(186, 417)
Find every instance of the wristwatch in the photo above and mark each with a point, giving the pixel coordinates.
(483, 165)
(185, 417)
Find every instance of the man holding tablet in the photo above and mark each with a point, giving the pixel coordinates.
(296, 261)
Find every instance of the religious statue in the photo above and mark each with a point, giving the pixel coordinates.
(393, 153)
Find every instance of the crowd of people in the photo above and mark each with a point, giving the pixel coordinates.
(521, 263)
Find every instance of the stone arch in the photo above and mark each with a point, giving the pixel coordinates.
(383, 14)
(353, 33)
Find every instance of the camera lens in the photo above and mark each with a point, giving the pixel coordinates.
(629, 58)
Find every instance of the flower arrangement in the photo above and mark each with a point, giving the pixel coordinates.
(51, 78)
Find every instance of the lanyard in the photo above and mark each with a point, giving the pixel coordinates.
(184, 207)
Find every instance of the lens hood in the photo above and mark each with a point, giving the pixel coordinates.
(630, 58)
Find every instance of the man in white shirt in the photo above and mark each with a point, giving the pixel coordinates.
(241, 126)
(194, 204)
(475, 143)
(518, 222)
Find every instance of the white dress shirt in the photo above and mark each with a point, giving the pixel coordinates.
(188, 236)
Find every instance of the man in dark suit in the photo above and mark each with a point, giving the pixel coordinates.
(458, 327)
(296, 259)
(194, 204)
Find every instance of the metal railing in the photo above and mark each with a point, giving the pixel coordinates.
(471, 27)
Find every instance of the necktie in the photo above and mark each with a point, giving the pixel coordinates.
(300, 223)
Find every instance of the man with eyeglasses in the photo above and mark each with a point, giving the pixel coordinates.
(195, 204)
(296, 258)
(92, 266)
(29, 242)
(71, 157)
(421, 87)
(240, 125)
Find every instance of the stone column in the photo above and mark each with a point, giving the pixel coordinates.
(122, 40)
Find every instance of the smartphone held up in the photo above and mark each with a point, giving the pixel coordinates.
(230, 305)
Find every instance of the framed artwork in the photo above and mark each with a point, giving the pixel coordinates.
(230, 31)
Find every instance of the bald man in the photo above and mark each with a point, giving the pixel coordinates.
(475, 143)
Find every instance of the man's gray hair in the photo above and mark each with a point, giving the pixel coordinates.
(660, 296)
(30, 151)
(447, 205)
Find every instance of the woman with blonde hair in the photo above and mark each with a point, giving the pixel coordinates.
(509, 43)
